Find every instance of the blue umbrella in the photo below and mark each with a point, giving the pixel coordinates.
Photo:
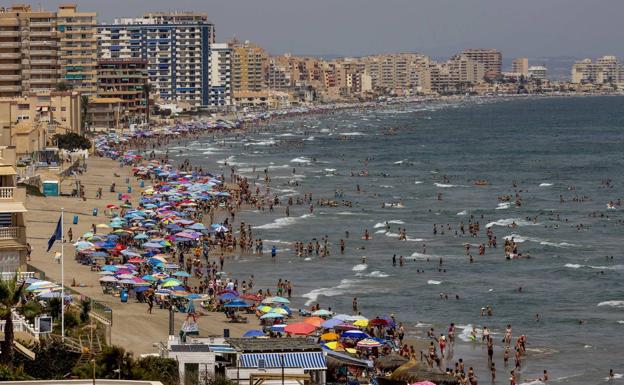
(227, 297)
(236, 304)
(272, 315)
(141, 236)
(355, 334)
(182, 274)
(197, 226)
(278, 328)
(140, 289)
(152, 245)
(109, 268)
(253, 333)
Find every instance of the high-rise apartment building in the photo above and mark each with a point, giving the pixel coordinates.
(77, 48)
(491, 59)
(124, 79)
(464, 70)
(39, 49)
(538, 72)
(604, 70)
(220, 75)
(249, 66)
(520, 66)
(176, 46)
(28, 51)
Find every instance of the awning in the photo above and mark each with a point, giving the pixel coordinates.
(349, 360)
(6, 169)
(302, 360)
(12, 207)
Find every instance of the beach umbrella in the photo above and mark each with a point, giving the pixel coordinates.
(279, 310)
(300, 328)
(362, 323)
(140, 289)
(423, 383)
(333, 345)
(88, 234)
(236, 304)
(152, 245)
(251, 297)
(183, 274)
(322, 313)
(109, 268)
(219, 228)
(329, 337)
(99, 254)
(197, 226)
(114, 207)
(53, 294)
(136, 260)
(278, 328)
(127, 281)
(106, 273)
(227, 297)
(171, 283)
(330, 323)
(378, 322)
(355, 334)
(141, 236)
(314, 321)
(264, 308)
(275, 300)
(271, 315)
(368, 343)
(108, 278)
(253, 334)
(103, 226)
(81, 245)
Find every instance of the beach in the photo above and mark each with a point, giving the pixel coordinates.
(411, 178)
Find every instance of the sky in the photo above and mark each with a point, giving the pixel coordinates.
(438, 28)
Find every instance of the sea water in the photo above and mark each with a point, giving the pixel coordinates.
(550, 147)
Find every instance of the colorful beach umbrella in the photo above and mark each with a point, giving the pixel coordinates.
(300, 328)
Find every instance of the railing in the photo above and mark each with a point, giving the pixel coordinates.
(20, 324)
(7, 275)
(12, 232)
(7, 192)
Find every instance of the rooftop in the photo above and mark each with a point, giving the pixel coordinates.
(259, 345)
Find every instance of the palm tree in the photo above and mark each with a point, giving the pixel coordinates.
(147, 90)
(10, 296)
(84, 112)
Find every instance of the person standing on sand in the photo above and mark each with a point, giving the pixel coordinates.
(70, 235)
(355, 305)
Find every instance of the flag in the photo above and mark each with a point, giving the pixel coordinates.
(58, 234)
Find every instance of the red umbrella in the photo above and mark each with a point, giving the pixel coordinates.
(378, 322)
(300, 328)
(251, 297)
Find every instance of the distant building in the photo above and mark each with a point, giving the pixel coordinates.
(249, 66)
(178, 51)
(604, 70)
(104, 114)
(220, 75)
(124, 79)
(538, 72)
(520, 66)
(491, 59)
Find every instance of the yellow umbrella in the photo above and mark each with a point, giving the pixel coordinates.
(329, 337)
(279, 310)
(103, 226)
(264, 308)
(362, 323)
(333, 345)
(350, 350)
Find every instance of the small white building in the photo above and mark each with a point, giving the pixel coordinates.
(538, 72)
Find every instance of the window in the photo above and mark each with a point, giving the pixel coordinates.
(63, 108)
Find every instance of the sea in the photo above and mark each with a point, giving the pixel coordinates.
(414, 166)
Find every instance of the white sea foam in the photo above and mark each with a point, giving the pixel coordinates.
(463, 212)
(573, 265)
(444, 185)
(385, 186)
(330, 169)
(360, 267)
(417, 182)
(621, 322)
(340, 289)
(301, 159)
(433, 282)
(346, 213)
(509, 221)
(503, 206)
(613, 303)
(374, 274)
(269, 142)
(283, 222)
(356, 133)
(545, 184)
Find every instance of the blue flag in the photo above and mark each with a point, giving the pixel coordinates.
(58, 234)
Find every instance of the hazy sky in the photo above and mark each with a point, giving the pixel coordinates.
(530, 28)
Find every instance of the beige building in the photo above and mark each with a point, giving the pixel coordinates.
(605, 69)
(464, 70)
(13, 247)
(77, 48)
(29, 122)
(491, 59)
(538, 72)
(125, 79)
(520, 66)
(28, 51)
(249, 66)
(105, 113)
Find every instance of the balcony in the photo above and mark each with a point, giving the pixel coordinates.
(10, 55)
(42, 52)
(10, 77)
(10, 44)
(10, 88)
(43, 62)
(43, 71)
(7, 192)
(15, 232)
(42, 43)
(12, 66)
(9, 33)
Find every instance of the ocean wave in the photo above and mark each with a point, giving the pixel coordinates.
(508, 222)
(301, 159)
(283, 222)
(269, 142)
(572, 265)
(503, 206)
(463, 212)
(356, 133)
(360, 267)
(374, 274)
(433, 282)
(417, 182)
(545, 184)
(444, 185)
(340, 289)
(383, 224)
(613, 303)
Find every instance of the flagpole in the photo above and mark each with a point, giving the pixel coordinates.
(62, 274)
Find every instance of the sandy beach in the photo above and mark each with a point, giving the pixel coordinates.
(133, 328)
